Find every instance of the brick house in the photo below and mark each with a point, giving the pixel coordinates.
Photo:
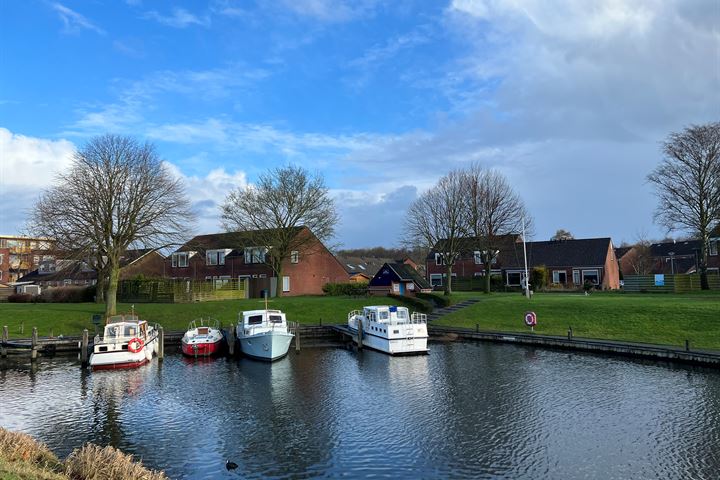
(569, 263)
(221, 257)
(398, 279)
(20, 255)
(677, 257)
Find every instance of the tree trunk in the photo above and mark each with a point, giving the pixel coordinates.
(112, 287)
(448, 284)
(486, 265)
(704, 285)
(279, 281)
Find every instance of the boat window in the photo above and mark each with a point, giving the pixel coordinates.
(396, 331)
(130, 331)
(276, 318)
(402, 313)
(383, 314)
(255, 320)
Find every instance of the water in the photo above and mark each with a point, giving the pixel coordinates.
(465, 411)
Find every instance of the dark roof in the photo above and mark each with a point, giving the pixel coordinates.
(468, 245)
(232, 240)
(364, 265)
(584, 252)
(407, 273)
(621, 251)
(688, 247)
(131, 256)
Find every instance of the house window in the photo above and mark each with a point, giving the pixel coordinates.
(255, 254)
(294, 256)
(215, 257)
(559, 276)
(514, 278)
(436, 279)
(576, 277)
(286, 284)
(713, 247)
(478, 257)
(396, 287)
(591, 276)
(439, 259)
(180, 259)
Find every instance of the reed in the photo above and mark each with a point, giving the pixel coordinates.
(20, 447)
(107, 463)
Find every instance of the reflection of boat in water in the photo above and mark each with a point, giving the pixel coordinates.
(202, 340)
(127, 342)
(264, 334)
(391, 329)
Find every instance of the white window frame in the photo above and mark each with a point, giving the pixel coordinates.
(713, 247)
(439, 259)
(556, 276)
(294, 256)
(477, 257)
(177, 257)
(576, 277)
(513, 272)
(588, 270)
(436, 277)
(286, 283)
(254, 255)
(215, 257)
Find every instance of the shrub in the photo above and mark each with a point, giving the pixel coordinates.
(538, 278)
(20, 298)
(350, 289)
(69, 294)
(417, 304)
(92, 461)
(440, 301)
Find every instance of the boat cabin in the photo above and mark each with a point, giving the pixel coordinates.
(124, 327)
(386, 314)
(256, 321)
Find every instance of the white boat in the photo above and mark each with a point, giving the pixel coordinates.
(127, 342)
(201, 339)
(390, 329)
(263, 334)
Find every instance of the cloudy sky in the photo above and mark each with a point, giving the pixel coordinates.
(569, 99)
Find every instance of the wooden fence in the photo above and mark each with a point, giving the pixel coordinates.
(668, 283)
(180, 291)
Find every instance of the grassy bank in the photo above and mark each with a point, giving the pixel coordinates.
(22, 457)
(72, 318)
(661, 319)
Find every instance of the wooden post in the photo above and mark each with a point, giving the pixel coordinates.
(321, 321)
(360, 334)
(297, 337)
(231, 340)
(687, 345)
(84, 348)
(5, 336)
(34, 351)
(477, 328)
(161, 343)
(570, 333)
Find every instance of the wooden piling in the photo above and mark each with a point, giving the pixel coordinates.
(161, 343)
(570, 333)
(360, 334)
(34, 350)
(297, 337)
(5, 337)
(231, 340)
(84, 348)
(687, 345)
(477, 328)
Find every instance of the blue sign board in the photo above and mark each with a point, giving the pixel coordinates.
(659, 280)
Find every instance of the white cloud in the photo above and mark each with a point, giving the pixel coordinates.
(27, 165)
(331, 11)
(73, 22)
(180, 18)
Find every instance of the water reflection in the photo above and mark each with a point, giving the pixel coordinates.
(465, 411)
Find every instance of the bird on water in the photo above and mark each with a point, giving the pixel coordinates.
(230, 465)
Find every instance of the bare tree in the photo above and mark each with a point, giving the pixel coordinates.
(494, 211)
(562, 234)
(117, 193)
(640, 256)
(687, 184)
(274, 211)
(436, 221)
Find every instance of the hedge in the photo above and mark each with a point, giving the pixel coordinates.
(350, 289)
(417, 304)
(440, 301)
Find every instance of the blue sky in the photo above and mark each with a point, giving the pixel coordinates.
(569, 99)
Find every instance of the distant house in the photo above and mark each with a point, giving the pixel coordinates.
(676, 257)
(569, 263)
(221, 257)
(20, 255)
(361, 269)
(398, 279)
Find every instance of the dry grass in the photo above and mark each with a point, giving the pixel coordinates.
(96, 463)
(19, 447)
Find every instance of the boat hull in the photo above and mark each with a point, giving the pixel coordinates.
(395, 346)
(201, 349)
(267, 346)
(122, 358)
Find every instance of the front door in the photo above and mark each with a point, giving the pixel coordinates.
(402, 289)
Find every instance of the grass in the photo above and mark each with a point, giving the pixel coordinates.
(24, 458)
(661, 319)
(72, 318)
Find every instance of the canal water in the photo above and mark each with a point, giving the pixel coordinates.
(468, 410)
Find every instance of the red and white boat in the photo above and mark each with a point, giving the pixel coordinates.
(127, 342)
(202, 339)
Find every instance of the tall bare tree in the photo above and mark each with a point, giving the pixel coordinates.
(274, 210)
(436, 221)
(117, 193)
(493, 211)
(687, 184)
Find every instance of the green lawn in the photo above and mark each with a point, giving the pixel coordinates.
(662, 319)
(72, 318)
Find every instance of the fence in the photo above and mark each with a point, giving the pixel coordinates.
(180, 291)
(668, 283)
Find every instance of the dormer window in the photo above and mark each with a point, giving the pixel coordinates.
(477, 255)
(255, 254)
(439, 259)
(215, 257)
(180, 259)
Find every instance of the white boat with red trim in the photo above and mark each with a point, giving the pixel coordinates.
(127, 342)
(202, 339)
(390, 329)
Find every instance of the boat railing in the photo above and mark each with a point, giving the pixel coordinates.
(354, 313)
(418, 317)
(202, 322)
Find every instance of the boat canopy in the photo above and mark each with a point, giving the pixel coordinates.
(124, 330)
(258, 317)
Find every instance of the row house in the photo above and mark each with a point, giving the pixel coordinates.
(569, 263)
(20, 255)
(222, 257)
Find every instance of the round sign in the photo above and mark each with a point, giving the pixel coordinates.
(530, 319)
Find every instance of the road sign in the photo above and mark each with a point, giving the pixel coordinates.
(530, 319)
(96, 319)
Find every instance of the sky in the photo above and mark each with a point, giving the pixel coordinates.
(570, 100)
